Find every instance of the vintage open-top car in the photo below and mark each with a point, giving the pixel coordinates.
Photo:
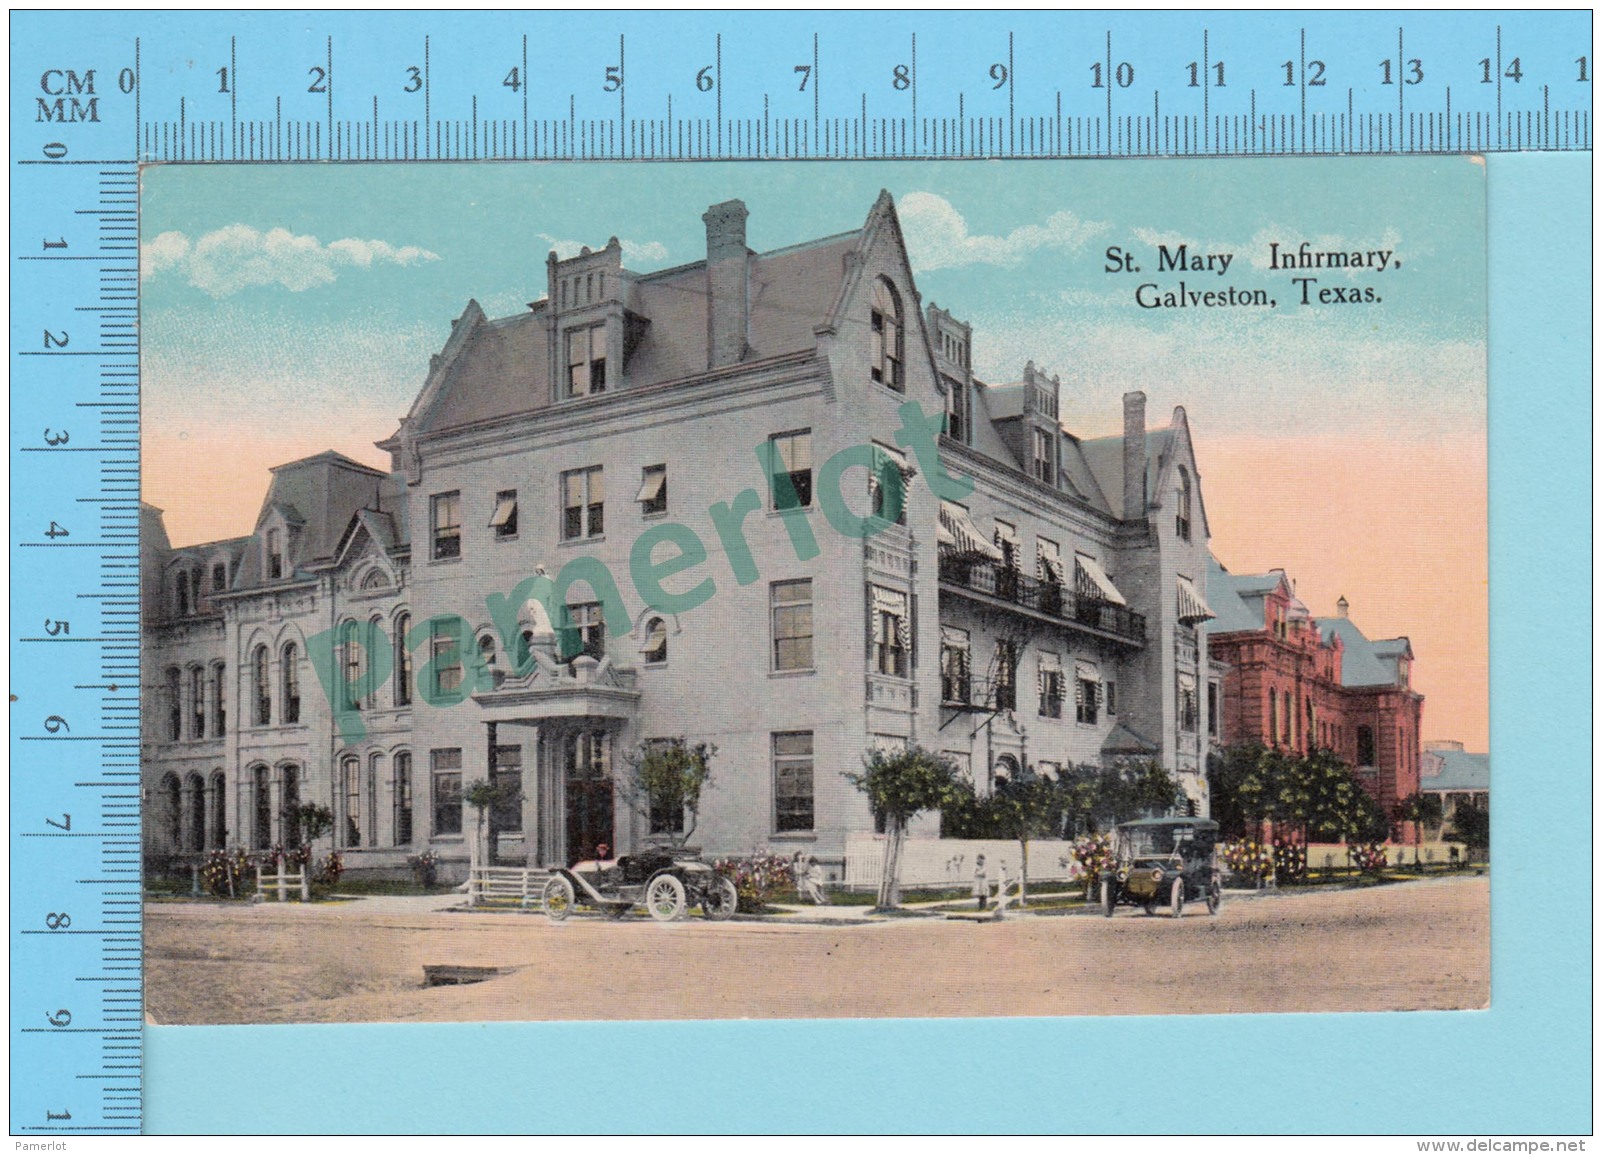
(1163, 861)
(664, 882)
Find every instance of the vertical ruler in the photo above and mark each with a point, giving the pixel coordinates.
(76, 996)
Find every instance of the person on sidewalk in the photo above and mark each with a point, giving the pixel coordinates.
(814, 885)
(981, 882)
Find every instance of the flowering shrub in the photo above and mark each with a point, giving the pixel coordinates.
(425, 867)
(1368, 858)
(223, 869)
(332, 867)
(1094, 854)
(298, 858)
(756, 877)
(1290, 860)
(1251, 860)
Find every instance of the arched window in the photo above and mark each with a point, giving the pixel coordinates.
(351, 776)
(194, 590)
(219, 700)
(375, 775)
(486, 655)
(172, 794)
(197, 702)
(289, 678)
(1182, 510)
(656, 642)
(403, 798)
(219, 811)
(261, 687)
(887, 337)
(175, 705)
(261, 806)
(1365, 746)
(195, 812)
(403, 661)
(183, 594)
(289, 807)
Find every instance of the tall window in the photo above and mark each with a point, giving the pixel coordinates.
(197, 702)
(1212, 709)
(1087, 694)
(445, 658)
(275, 554)
(219, 699)
(589, 630)
(1273, 717)
(586, 361)
(1006, 674)
(353, 660)
(1050, 685)
(351, 772)
(791, 606)
(219, 578)
(656, 642)
(1045, 457)
(447, 791)
(792, 781)
(507, 812)
(219, 811)
(261, 808)
(289, 805)
(653, 494)
(403, 661)
(892, 632)
(955, 685)
(183, 594)
(403, 798)
(291, 682)
(791, 458)
(194, 589)
(889, 468)
(260, 687)
(1365, 746)
(486, 658)
(1182, 510)
(1187, 703)
(504, 520)
(175, 703)
(447, 525)
(583, 503)
(1111, 689)
(887, 340)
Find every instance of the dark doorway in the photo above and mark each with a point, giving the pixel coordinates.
(589, 794)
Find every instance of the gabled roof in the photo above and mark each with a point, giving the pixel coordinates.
(1364, 663)
(1459, 771)
(1237, 599)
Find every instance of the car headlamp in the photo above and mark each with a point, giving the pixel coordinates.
(1157, 874)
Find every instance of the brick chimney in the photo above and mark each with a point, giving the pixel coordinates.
(1134, 456)
(727, 284)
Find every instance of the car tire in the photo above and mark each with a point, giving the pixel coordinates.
(556, 900)
(664, 898)
(1176, 898)
(721, 899)
(1107, 901)
(1215, 895)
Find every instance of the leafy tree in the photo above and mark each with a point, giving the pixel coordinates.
(1314, 796)
(314, 820)
(1094, 799)
(666, 779)
(1471, 825)
(1025, 807)
(1421, 810)
(485, 795)
(900, 784)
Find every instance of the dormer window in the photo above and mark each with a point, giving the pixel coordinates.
(1182, 512)
(887, 338)
(275, 554)
(183, 594)
(1046, 458)
(586, 361)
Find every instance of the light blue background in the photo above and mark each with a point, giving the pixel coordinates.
(1523, 1066)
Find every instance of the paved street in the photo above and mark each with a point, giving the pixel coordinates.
(1417, 945)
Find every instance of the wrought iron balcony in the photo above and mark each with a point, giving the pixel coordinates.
(992, 582)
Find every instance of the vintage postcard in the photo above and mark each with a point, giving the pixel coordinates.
(814, 590)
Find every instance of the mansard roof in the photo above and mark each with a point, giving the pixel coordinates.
(1365, 663)
(1236, 600)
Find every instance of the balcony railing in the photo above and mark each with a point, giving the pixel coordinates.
(1047, 599)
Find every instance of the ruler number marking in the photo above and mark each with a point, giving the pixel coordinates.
(319, 76)
(514, 80)
(55, 724)
(53, 440)
(49, 244)
(1413, 72)
(62, 1018)
(56, 531)
(613, 80)
(55, 921)
(1218, 74)
(1123, 75)
(806, 74)
(51, 341)
(64, 824)
(1315, 74)
(414, 79)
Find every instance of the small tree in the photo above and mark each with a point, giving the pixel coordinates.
(901, 784)
(485, 796)
(1024, 807)
(314, 821)
(666, 779)
(1471, 825)
(1421, 810)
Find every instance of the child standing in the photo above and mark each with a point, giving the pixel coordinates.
(981, 882)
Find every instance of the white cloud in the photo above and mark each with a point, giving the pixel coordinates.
(633, 251)
(235, 257)
(938, 238)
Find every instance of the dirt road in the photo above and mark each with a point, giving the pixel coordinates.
(1419, 945)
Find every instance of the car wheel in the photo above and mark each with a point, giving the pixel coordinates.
(1215, 895)
(557, 898)
(1107, 900)
(664, 898)
(1176, 898)
(720, 899)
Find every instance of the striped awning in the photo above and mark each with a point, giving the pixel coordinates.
(957, 530)
(1090, 572)
(1192, 606)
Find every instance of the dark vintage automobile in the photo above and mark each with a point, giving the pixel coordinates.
(665, 883)
(1163, 862)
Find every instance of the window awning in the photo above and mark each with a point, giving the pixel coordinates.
(957, 530)
(655, 636)
(953, 637)
(505, 510)
(1090, 572)
(651, 487)
(1051, 568)
(1086, 672)
(1192, 606)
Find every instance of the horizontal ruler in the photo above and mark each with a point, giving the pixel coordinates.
(502, 86)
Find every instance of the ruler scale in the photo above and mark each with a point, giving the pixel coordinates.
(90, 105)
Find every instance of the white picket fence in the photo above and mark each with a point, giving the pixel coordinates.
(949, 862)
(505, 884)
(280, 881)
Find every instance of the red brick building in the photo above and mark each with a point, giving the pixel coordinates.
(1301, 683)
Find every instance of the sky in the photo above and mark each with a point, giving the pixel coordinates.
(292, 309)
